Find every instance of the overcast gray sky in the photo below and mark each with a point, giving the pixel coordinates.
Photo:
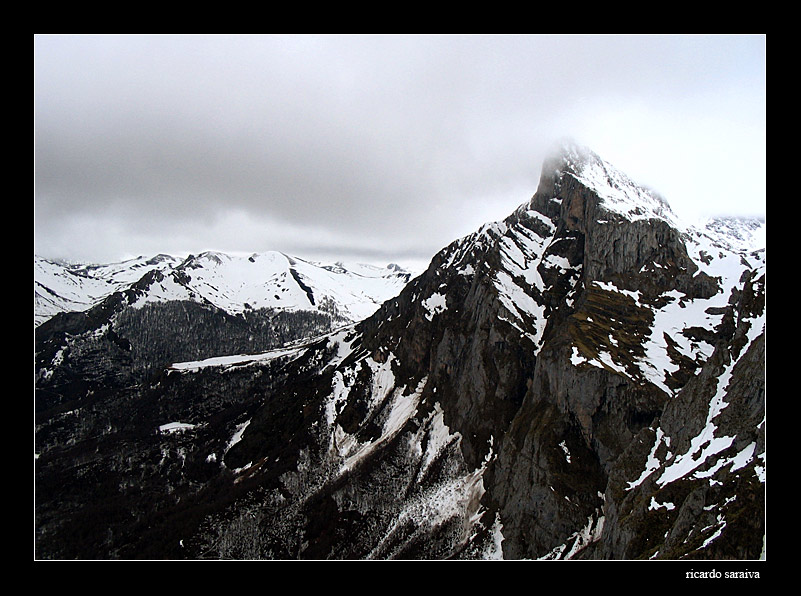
(374, 148)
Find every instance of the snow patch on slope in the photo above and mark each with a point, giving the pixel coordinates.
(706, 443)
(236, 360)
(434, 305)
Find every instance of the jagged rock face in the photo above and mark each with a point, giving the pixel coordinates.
(584, 379)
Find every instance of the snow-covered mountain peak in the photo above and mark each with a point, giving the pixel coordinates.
(618, 193)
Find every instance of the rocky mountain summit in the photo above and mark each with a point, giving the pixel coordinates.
(582, 380)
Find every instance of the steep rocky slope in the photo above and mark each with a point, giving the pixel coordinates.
(585, 379)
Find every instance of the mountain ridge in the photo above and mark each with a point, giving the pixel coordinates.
(573, 381)
(222, 279)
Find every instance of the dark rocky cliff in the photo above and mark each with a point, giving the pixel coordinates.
(577, 381)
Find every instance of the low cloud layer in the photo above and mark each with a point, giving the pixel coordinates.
(370, 146)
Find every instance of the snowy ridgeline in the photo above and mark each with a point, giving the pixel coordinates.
(234, 284)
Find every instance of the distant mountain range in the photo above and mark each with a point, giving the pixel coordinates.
(232, 283)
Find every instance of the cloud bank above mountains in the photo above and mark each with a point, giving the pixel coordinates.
(375, 148)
